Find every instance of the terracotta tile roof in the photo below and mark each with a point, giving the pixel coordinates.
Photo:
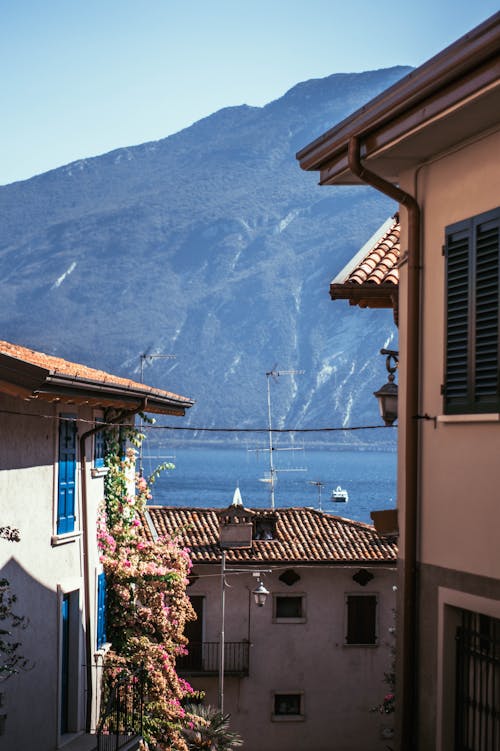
(371, 278)
(302, 535)
(47, 376)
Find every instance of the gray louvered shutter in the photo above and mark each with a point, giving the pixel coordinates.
(472, 321)
(487, 313)
(458, 245)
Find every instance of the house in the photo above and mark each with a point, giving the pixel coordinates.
(310, 663)
(432, 143)
(51, 484)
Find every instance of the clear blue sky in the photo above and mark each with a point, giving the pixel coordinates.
(82, 77)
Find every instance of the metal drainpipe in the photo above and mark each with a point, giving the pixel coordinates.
(86, 569)
(409, 626)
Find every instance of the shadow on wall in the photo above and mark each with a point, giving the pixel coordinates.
(29, 699)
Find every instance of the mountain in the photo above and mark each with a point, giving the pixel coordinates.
(212, 245)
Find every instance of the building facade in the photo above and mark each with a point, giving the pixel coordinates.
(51, 486)
(309, 664)
(432, 143)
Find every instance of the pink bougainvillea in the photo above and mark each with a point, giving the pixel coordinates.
(147, 605)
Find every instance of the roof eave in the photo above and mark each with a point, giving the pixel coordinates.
(463, 70)
(374, 295)
(78, 388)
(33, 381)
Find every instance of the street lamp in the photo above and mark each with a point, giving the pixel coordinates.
(260, 594)
(235, 532)
(387, 395)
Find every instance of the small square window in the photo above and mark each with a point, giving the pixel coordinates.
(288, 707)
(290, 608)
(265, 528)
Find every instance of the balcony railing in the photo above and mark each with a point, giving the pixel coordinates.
(203, 658)
(121, 712)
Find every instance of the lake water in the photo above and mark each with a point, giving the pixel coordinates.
(208, 477)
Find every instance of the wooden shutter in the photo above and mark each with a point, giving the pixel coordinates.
(472, 318)
(66, 475)
(487, 313)
(99, 445)
(101, 610)
(361, 619)
(458, 243)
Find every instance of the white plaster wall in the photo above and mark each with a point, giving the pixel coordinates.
(340, 683)
(39, 571)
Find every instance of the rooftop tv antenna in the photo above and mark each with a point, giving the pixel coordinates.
(144, 358)
(319, 485)
(275, 374)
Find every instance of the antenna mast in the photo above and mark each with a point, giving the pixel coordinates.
(143, 359)
(272, 471)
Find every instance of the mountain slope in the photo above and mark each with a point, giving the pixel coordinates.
(210, 244)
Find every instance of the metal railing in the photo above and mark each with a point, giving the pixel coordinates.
(477, 707)
(122, 710)
(203, 658)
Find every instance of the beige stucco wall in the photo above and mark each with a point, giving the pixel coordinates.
(460, 471)
(40, 571)
(459, 468)
(340, 683)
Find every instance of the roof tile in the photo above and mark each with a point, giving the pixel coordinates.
(379, 265)
(56, 365)
(302, 535)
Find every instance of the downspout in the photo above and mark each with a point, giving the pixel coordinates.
(409, 628)
(86, 567)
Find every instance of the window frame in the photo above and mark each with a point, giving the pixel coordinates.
(374, 597)
(289, 596)
(471, 384)
(288, 717)
(66, 513)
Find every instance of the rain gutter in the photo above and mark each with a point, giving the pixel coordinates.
(85, 534)
(408, 691)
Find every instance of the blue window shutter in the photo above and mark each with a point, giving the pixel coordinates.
(99, 446)
(101, 610)
(66, 475)
(65, 663)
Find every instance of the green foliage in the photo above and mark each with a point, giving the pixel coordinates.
(209, 729)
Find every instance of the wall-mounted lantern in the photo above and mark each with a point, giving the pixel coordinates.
(387, 395)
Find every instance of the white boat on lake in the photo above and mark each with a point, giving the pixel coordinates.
(339, 495)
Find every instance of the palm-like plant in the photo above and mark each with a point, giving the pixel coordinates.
(210, 730)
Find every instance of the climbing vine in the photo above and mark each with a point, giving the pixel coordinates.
(147, 604)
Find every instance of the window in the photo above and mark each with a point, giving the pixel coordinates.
(361, 619)
(472, 250)
(66, 475)
(69, 665)
(288, 706)
(265, 528)
(99, 446)
(101, 610)
(289, 608)
(477, 722)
